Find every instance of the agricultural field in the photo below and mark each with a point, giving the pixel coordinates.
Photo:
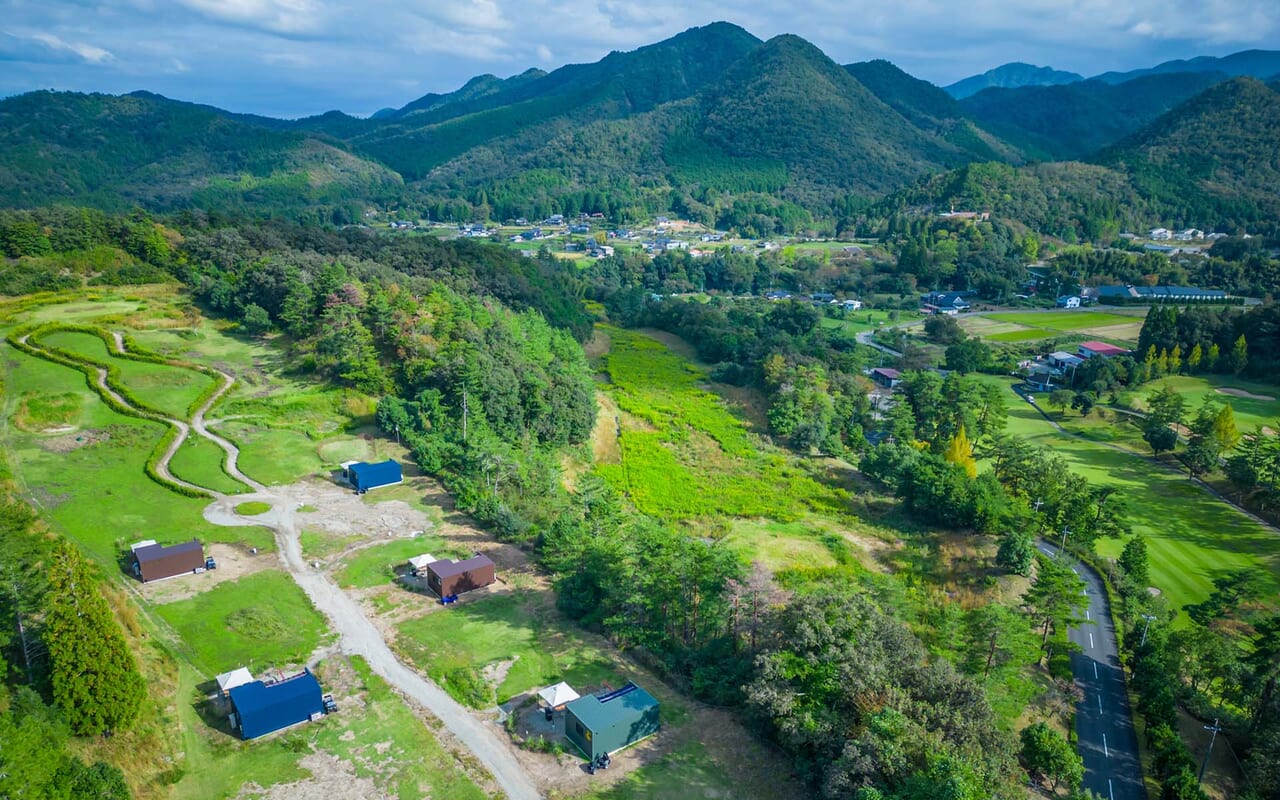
(1192, 537)
(683, 455)
(858, 321)
(1023, 326)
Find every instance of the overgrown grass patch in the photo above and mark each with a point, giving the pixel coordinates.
(261, 620)
(687, 773)
(515, 627)
(376, 565)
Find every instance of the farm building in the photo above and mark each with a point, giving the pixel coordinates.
(230, 680)
(152, 561)
(886, 377)
(1091, 349)
(609, 722)
(260, 708)
(1061, 359)
(447, 578)
(364, 477)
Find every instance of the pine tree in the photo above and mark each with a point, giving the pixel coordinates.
(95, 679)
(960, 451)
(1211, 360)
(1175, 360)
(1133, 560)
(1193, 360)
(1224, 429)
(1239, 357)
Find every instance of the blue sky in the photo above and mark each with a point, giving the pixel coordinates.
(299, 57)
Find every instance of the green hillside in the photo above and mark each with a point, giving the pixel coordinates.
(145, 150)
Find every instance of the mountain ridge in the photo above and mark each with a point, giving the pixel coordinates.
(1010, 76)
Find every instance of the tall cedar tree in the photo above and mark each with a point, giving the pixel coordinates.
(95, 679)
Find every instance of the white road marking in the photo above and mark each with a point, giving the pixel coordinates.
(1095, 670)
(1091, 639)
(1076, 571)
(1087, 615)
(1099, 704)
(1105, 751)
(1111, 791)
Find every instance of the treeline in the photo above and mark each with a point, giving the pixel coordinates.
(65, 668)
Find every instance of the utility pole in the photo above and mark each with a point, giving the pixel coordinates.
(1065, 533)
(1145, 628)
(1215, 727)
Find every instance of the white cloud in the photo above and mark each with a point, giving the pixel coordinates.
(280, 16)
(87, 52)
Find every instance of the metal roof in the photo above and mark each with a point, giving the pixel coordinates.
(154, 551)
(236, 677)
(264, 708)
(446, 568)
(599, 712)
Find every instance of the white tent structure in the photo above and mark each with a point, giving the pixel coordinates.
(236, 677)
(419, 563)
(558, 695)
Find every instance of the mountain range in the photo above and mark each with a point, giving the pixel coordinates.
(712, 122)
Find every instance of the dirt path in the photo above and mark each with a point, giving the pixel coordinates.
(359, 636)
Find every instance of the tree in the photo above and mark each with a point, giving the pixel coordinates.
(1212, 357)
(1048, 754)
(1238, 359)
(996, 636)
(1017, 552)
(1175, 360)
(1133, 560)
(1159, 437)
(1225, 432)
(1166, 406)
(94, 677)
(960, 451)
(943, 329)
(1194, 359)
(1084, 402)
(1054, 598)
(255, 320)
(968, 355)
(1061, 399)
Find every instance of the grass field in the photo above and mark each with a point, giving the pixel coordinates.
(376, 565)
(516, 627)
(252, 508)
(685, 774)
(200, 461)
(1065, 320)
(684, 455)
(170, 390)
(1250, 412)
(859, 321)
(1192, 537)
(258, 621)
(1011, 327)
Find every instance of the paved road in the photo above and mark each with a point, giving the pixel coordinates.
(865, 337)
(360, 637)
(1104, 724)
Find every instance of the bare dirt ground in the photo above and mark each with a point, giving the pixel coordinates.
(73, 441)
(234, 562)
(331, 778)
(1247, 395)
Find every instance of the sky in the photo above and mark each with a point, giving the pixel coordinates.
(291, 58)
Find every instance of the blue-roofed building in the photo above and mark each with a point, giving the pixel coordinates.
(260, 708)
(608, 722)
(364, 477)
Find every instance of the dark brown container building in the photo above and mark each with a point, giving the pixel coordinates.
(446, 578)
(156, 561)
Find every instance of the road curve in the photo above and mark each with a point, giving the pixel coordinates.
(360, 637)
(1106, 737)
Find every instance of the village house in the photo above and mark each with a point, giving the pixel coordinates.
(886, 377)
(1102, 349)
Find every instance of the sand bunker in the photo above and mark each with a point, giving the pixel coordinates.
(1247, 395)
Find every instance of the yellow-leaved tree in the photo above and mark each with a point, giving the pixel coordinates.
(960, 451)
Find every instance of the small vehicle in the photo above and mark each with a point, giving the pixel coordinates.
(209, 563)
(330, 706)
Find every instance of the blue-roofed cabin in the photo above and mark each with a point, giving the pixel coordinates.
(260, 708)
(364, 477)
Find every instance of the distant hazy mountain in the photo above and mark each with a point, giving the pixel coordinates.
(1256, 63)
(477, 87)
(143, 149)
(1076, 119)
(1011, 76)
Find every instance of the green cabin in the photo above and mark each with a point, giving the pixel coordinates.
(609, 722)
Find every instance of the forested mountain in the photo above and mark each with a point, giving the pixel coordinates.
(1076, 119)
(118, 152)
(474, 89)
(1011, 76)
(1255, 63)
(1216, 157)
(927, 107)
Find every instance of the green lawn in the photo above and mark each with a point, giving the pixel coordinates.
(199, 461)
(170, 390)
(1024, 335)
(252, 508)
(376, 565)
(1250, 412)
(261, 620)
(1192, 537)
(79, 484)
(1065, 320)
(684, 774)
(503, 627)
(859, 321)
(273, 455)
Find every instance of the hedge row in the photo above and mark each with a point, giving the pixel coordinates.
(90, 372)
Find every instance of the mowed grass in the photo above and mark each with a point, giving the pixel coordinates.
(517, 627)
(272, 455)
(261, 620)
(687, 773)
(78, 485)
(684, 455)
(377, 564)
(859, 321)
(1021, 335)
(170, 390)
(1192, 537)
(199, 461)
(1250, 412)
(1065, 319)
